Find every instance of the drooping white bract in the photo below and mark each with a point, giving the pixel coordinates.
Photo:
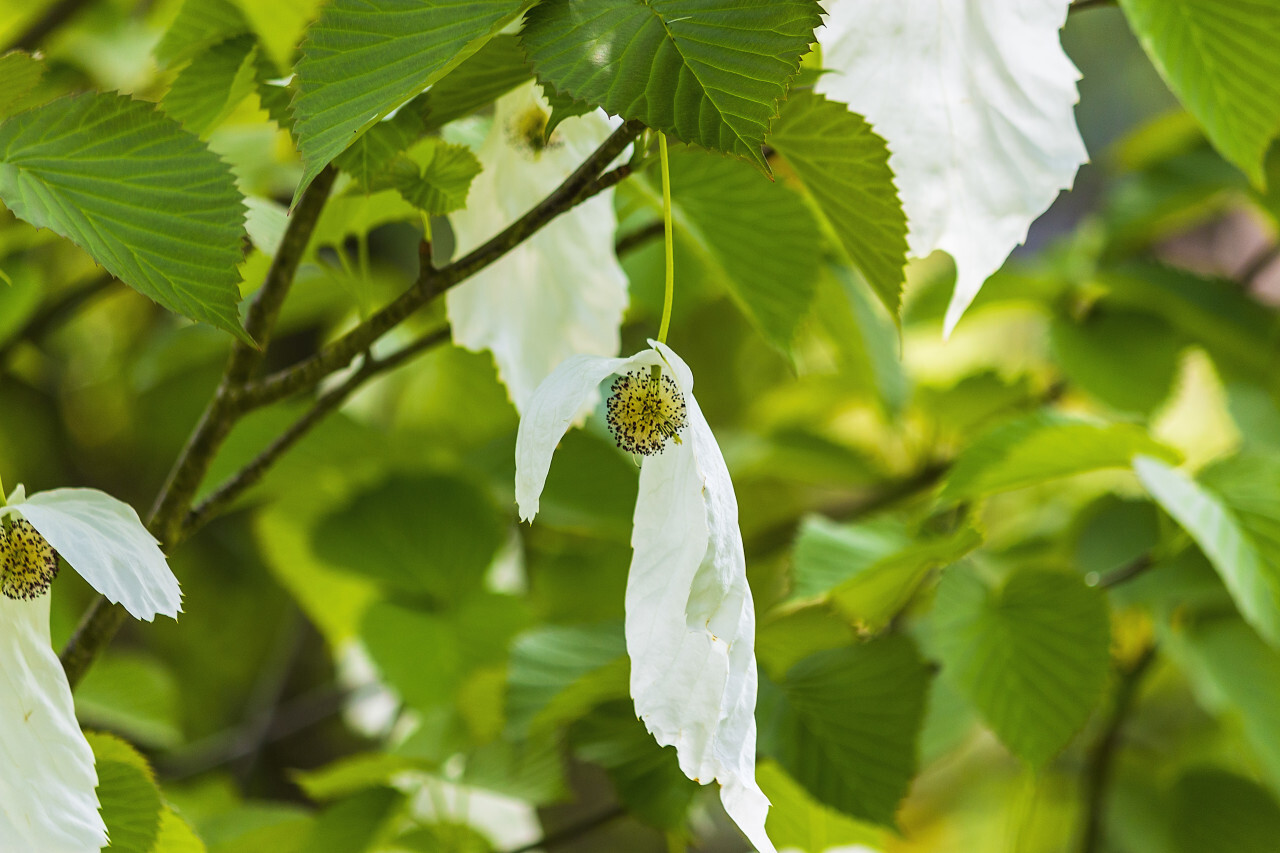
(562, 291)
(690, 621)
(47, 777)
(974, 98)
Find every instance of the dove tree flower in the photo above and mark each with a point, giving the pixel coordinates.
(975, 99)
(561, 292)
(690, 620)
(47, 777)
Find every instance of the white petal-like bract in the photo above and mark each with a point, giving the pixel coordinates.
(47, 780)
(560, 293)
(975, 99)
(105, 542)
(690, 618)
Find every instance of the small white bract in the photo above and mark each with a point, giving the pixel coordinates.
(690, 620)
(47, 780)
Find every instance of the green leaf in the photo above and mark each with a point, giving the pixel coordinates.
(434, 535)
(176, 835)
(758, 238)
(200, 24)
(444, 838)
(706, 73)
(562, 107)
(798, 822)
(434, 176)
(356, 773)
(845, 167)
(1089, 350)
(127, 793)
(490, 73)
(547, 663)
(1246, 555)
(646, 776)
(132, 694)
(364, 58)
(843, 724)
(1041, 447)
(354, 824)
(213, 85)
(141, 195)
(1222, 59)
(279, 25)
(1237, 676)
(21, 73)
(372, 154)
(1215, 811)
(1033, 657)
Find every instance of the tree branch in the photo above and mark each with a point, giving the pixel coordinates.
(585, 182)
(330, 401)
(1097, 774)
(634, 240)
(55, 16)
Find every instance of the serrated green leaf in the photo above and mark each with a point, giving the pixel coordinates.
(279, 25)
(144, 197)
(1235, 526)
(494, 70)
(429, 535)
(213, 85)
(364, 58)
(200, 24)
(845, 166)
(547, 663)
(1222, 59)
(647, 777)
(706, 73)
(844, 722)
(1045, 446)
(562, 107)
(353, 825)
(21, 73)
(1032, 657)
(127, 792)
(1214, 811)
(176, 835)
(372, 154)
(434, 176)
(757, 237)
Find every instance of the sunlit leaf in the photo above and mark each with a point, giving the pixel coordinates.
(127, 790)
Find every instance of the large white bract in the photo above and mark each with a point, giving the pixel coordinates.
(47, 777)
(562, 291)
(690, 620)
(975, 99)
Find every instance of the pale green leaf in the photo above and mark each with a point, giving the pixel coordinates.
(481, 79)
(353, 825)
(434, 176)
(373, 153)
(844, 723)
(364, 58)
(1032, 656)
(546, 664)
(1045, 446)
(213, 85)
(356, 773)
(279, 25)
(176, 836)
(707, 73)
(1235, 526)
(127, 792)
(1222, 59)
(141, 195)
(131, 694)
(21, 73)
(845, 167)
(200, 24)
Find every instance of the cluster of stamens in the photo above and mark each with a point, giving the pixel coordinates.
(645, 410)
(28, 564)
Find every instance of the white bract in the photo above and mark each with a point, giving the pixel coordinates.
(690, 621)
(974, 98)
(562, 291)
(47, 777)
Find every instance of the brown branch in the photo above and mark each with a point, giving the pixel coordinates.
(585, 182)
(1126, 572)
(630, 242)
(53, 18)
(1097, 772)
(326, 403)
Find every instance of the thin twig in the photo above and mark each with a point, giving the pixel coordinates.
(55, 313)
(572, 833)
(1126, 572)
(585, 182)
(253, 472)
(630, 242)
(36, 32)
(1097, 772)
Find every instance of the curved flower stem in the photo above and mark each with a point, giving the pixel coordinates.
(670, 283)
